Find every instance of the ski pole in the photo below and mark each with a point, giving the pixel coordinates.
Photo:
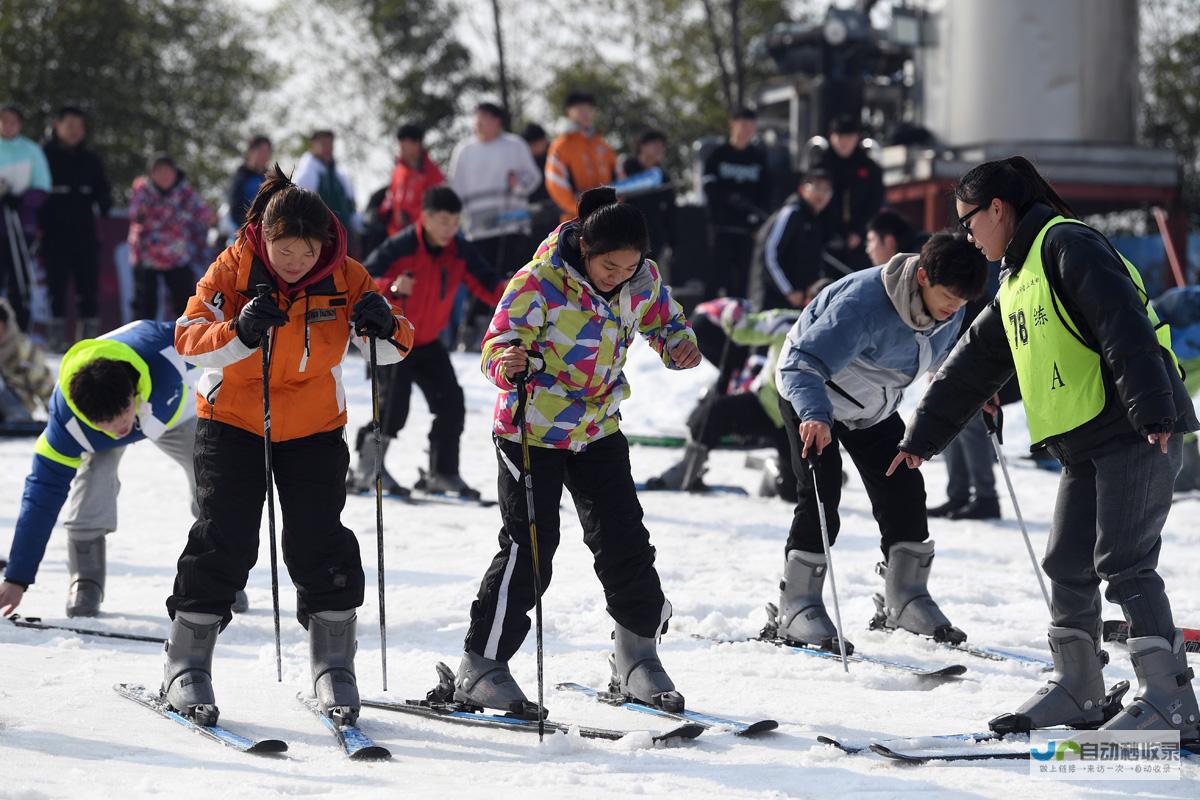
(379, 508)
(36, 624)
(264, 290)
(837, 612)
(12, 227)
(692, 455)
(993, 428)
(522, 400)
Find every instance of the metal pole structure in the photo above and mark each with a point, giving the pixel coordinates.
(265, 290)
(837, 611)
(994, 435)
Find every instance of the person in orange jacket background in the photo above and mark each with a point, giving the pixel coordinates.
(579, 159)
(313, 301)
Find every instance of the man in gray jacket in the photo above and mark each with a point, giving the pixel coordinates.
(841, 377)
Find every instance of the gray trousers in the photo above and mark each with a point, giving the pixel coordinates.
(92, 503)
(969, 458)
(1107, 525)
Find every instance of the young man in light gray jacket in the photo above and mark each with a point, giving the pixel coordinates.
(841, 377)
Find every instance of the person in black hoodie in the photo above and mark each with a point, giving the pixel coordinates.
(788, 247)
(736, 190)
(1104, 395)
(857, 191)
(70, 247)
(248, 179)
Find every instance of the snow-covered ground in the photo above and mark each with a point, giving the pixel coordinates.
(65, 733)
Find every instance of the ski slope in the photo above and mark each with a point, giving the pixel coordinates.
(65, 733)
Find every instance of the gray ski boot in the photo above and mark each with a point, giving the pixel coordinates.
(488, 683)
(441, 483)
(1165, 698)
(905, 602)
(695, 455)
(1073, 696)
(361, 479)
(86, 563)
(637, 671)
(187, 675)
(331, 646)
(801, 617)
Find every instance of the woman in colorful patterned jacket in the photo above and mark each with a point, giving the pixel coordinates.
(168, 223)
(288, 286)
(565, 325)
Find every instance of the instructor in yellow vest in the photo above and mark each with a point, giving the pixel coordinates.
(1103, 394)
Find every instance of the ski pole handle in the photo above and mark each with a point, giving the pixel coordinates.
(995, 424)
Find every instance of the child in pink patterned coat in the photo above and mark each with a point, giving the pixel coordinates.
(168, 222)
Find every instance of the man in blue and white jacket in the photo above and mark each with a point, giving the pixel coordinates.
(841, 377)
(119, 389)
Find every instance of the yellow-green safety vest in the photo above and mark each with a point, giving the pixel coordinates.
(1060, 377)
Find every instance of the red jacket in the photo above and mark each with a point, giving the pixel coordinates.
(401, 205)
(436, 278)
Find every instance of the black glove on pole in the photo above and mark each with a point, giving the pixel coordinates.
(260, 315)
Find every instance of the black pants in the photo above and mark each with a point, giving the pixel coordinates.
(320, 553)
(9, 286)
(898, 502)
(506, 254)
(429, 367)
(68, 255)
(732, 252)
(600, 482)
(181, 284)
(740, 415)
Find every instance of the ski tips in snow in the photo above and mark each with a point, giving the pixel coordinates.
(697, 718)
(357, 745)
(218, 733)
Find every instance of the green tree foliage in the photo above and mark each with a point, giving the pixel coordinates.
(412, 64)
(1171, 87)
(679, 72)
(175, 76)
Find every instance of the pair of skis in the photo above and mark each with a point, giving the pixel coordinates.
(357, 745)
(439, 705)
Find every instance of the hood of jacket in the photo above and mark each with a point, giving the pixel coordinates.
(899, 278)
(333, 253)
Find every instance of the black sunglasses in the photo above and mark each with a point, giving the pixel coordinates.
(966, 218)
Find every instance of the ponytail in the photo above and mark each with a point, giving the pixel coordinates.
(608, 225)
(1013, 180)
(285, 210)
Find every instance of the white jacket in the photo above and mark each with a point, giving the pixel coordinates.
(479, 175)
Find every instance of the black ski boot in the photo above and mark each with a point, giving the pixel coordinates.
(1165, 699)
(905, 602)
(331, 644)
(801, 617)
(187, 674)
(1074, 696)
(86, 563)
(487, 683)
(637, 671)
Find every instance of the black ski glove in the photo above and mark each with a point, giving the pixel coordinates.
(372, 316)
(257, 317)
